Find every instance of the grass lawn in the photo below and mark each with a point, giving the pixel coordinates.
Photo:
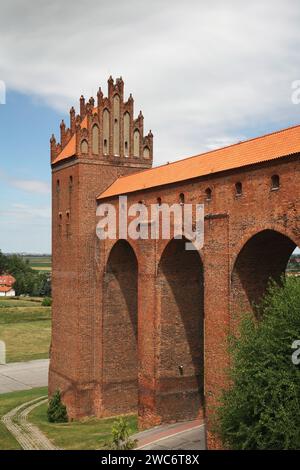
(86, 434)
(25, 326)
(8, 401)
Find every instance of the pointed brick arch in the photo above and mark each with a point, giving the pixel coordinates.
(181, 331)
(263, 257)
(120, 330)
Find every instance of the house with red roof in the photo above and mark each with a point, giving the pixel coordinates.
(6, 286)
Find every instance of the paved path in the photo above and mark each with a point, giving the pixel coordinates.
(187, 435)
(28, 435)
(23, 375)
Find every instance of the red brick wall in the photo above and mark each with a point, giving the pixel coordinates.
(169, 305)
(180, 377)
(120, 358)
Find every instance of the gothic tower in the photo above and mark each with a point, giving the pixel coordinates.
(103, 142)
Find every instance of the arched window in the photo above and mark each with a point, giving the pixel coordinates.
(136, 143)
(181, 198)
(126, 133)
(238, 188)
(116, 111)
(208, 194)
(146, 152)
(84, 147)
(105, 132)
(275, 182)
(95, 139)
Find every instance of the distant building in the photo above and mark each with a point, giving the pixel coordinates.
(6, 286)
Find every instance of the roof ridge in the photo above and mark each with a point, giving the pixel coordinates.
(213, 150)
(276, 144)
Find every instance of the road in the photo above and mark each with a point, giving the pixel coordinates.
(180, 436)
(23, 375)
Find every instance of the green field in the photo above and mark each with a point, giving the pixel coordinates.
(89, 433)
(85, 434)
(25, 327)
(39, 263)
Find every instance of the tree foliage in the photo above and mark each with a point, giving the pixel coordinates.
(28, 281)
(261, 409)
(57, 411)
(120, 436)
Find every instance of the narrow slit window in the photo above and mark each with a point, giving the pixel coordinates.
(208, 194)
(275, 182)
(238, 188)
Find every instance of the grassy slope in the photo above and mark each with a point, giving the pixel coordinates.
(87, 434)
(8, 401)
(25, 326)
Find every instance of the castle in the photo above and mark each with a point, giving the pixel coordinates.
(142, 325)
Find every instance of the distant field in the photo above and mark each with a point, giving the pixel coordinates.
(40, 263)
(25, 327)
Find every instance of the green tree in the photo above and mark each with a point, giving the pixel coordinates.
(120, 436)
(28, 281)
(3, 263)
(261, 408)
(57, 411)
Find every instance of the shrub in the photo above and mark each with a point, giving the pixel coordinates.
(120, 437)
(261, 408)
(57, 411)
(47, 302)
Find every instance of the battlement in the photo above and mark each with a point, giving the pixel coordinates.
(104, 129)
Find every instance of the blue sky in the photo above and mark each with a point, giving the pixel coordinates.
(205, 74)
(25, 173)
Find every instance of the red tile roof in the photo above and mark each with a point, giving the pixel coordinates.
(260, 149)
(5, 288)
(7, 280)
(70, 149)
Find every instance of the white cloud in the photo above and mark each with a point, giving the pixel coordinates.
(200, 71)
(30, 186)
(33, 186)
(25, 227)
(18, 213)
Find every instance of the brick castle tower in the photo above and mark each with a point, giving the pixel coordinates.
(103, 142)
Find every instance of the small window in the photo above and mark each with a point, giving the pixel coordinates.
(84, 147)
(238, 188)
(208, 194)
(181, 198)
(159, 201)
(275, 182)
(105, 144)
(68, 216)
(126, 145)
(57, 185)
(60, 217)
(70, 182)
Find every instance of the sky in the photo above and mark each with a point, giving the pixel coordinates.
(205, 75)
